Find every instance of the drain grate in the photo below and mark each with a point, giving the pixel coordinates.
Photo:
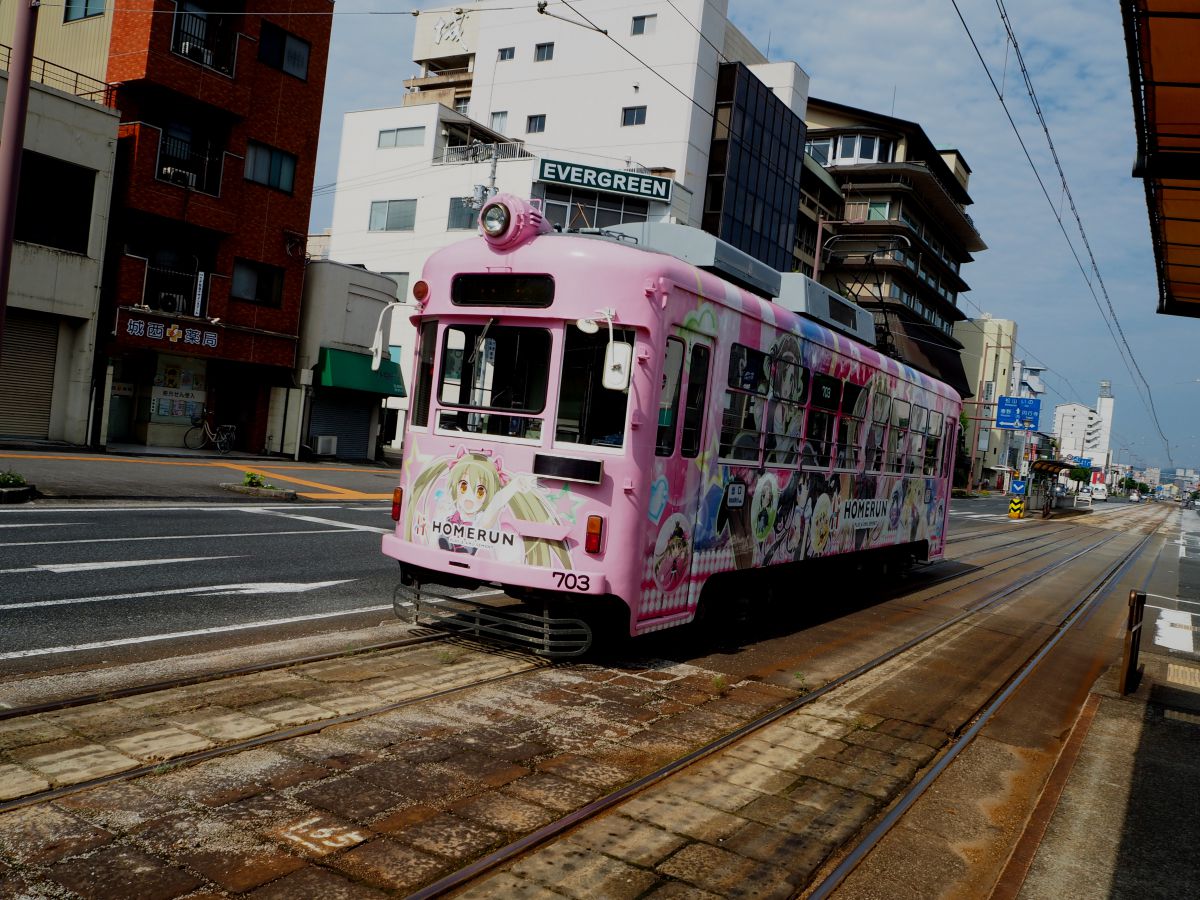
(1185, 675)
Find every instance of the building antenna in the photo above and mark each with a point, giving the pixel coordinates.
(768, 45)
(893, 112)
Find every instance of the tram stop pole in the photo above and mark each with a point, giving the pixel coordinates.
(1130, 673)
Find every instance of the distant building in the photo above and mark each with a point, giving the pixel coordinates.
(987, 358)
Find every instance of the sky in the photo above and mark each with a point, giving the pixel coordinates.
(915, 60)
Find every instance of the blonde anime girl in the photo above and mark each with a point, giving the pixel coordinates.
(479, 491)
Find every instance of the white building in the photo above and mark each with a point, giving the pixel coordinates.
(1076, 427)
(649, 122)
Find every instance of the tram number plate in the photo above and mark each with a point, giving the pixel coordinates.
(572, 582)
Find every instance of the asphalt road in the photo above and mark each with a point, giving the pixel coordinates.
(86, 584)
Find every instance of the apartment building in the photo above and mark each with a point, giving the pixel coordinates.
(988, 362)
(904, 234)
(219, 114)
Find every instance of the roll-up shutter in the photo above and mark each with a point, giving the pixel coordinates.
(346, 414)
(27, 374)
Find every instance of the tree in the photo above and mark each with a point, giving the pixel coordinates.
(1080, 475)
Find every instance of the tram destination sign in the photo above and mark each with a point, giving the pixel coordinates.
(614, 181)
(1022, 413)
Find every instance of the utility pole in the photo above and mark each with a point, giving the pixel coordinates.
(12, 138)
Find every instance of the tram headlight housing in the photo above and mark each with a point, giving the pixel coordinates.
(495, 219)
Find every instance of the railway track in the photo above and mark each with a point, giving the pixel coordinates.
(563, 755)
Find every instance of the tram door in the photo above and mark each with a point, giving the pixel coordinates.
(679, 481)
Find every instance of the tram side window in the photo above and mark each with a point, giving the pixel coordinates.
(822, 421)
(693, 408)
(588, 412)
(949, 447)
(916, 440)
(854, 410)
(423, 390)
(742, 418)
(897, 436)
(933, 443)
(494, 367)
(881, 407)
(668, 400)
(785, 412)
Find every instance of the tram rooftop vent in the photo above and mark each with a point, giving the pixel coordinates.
(702, 250)
(802, 295)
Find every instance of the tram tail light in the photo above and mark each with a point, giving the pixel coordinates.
(595, 534)
(397, 502)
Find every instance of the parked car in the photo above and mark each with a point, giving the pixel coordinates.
(1100, 492)
(1085, 493)
(1134, 497)
(1060, 489)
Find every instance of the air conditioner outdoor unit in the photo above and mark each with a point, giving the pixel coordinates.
(326, 444)
(198, 52)
(177, 175)
(171, 303)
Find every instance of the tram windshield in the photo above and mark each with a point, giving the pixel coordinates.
(495, 376)
(588, 412)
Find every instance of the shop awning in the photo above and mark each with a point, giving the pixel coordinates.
(1049, 466)
(352, 371)
(1161, 40)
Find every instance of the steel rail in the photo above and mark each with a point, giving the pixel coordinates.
(458, 879)
(1096, 591)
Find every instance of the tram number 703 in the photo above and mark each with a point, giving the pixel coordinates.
(573, 582)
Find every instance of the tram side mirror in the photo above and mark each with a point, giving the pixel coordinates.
(618, 364)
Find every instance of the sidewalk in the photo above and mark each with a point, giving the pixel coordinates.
(62, 472)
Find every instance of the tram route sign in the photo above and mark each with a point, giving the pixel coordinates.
(1022, 413)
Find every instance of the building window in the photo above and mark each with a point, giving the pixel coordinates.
(257, 282)
(402, 137)
(82, 9)
(269, 166)
(393, 215)
(577, 208)
(633, 115)
(543, 52)
(462, 104)
(462, 214)
(819, 150)
(401, 279)
(877, 210)
(281, 50)
(535, 124)
(54, 203)
(506, 53)
(644, 24)
(500, 121)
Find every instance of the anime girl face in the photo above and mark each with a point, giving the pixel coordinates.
(473, 483)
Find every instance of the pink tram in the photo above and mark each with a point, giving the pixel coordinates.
(597, 426)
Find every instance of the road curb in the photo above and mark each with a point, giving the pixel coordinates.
(270, 493)
(18, 494)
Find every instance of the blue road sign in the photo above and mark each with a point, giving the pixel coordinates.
(1017, 486)
(1084, 462)
(1022, 413)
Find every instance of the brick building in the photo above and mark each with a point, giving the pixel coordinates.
(220, 112)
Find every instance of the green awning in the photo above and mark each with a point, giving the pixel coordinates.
(352, 371)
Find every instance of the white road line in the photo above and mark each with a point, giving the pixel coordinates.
(176, 537)
(62, 568)
(1174, 630)
(40, 524)
(316, 520)
(98, 645)
(245, 588)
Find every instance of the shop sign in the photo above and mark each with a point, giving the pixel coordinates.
(614, 181)
(173, 334)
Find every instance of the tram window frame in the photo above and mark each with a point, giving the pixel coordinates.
(427, 344)
(915, 453)
(784, 442)
(933, 443)
(881, 410)
(850, 429)
(588, 414)
(825, 398)
(949, 446)
(897, 443)
(692, 431)
(745, 401)
(668, 415)
(476, 336)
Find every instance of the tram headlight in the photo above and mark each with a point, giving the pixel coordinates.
(495, 219)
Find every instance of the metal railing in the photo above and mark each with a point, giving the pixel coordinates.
(175, 293)
(64, 79)
(179, 164)
(480, 152)
(206, 39)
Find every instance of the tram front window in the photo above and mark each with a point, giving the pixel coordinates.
(494, 377)
(588, 412)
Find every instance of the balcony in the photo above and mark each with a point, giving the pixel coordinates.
(179, 164)
(169, 181)
(480, 152)
(176, 293)
(206, 39)
(63, 79)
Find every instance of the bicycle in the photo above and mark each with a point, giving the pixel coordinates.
(202, 433)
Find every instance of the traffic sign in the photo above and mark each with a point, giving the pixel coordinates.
(1022, 413)
(1017, 486)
